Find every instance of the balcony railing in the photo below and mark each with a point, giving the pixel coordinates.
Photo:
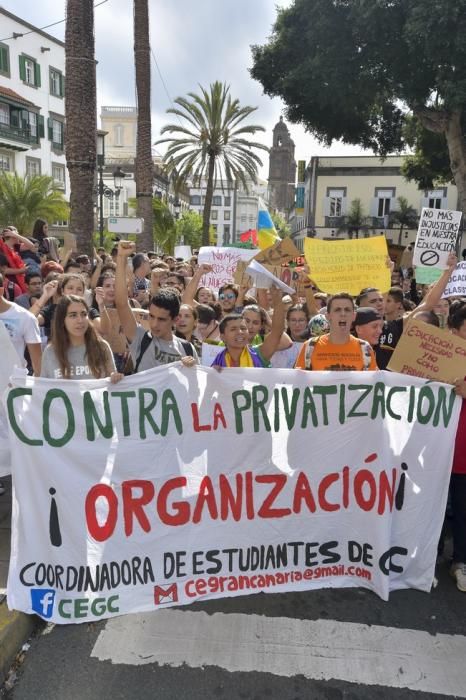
(16, 133)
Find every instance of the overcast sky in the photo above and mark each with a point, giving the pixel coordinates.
(194, 42)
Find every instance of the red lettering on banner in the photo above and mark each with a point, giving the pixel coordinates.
(181, 508)
(133, 505)
(266, 510)
(101, 532)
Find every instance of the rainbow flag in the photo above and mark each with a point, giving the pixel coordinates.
(266, 232)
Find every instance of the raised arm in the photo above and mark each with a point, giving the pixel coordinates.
(128, 322)
(272, 341)
(193, 284)
(434, 294)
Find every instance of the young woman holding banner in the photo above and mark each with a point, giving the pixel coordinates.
(76, 351)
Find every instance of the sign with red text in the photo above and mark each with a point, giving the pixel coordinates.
(183, 484)
(426, 351)
(224, 262)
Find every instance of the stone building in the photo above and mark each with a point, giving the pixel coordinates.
(282, 170)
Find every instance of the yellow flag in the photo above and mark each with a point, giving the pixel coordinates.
(348, 265)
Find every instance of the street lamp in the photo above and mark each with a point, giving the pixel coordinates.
(101, 189)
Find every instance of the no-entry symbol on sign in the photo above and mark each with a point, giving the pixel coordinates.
(429, 257)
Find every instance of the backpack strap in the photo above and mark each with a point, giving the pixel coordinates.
(145, 342)
(366, 353)
(310, 345)
(187, 347)
(11, 290)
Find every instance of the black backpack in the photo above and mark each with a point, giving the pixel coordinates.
(146, 341)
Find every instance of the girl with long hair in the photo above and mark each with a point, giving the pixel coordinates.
(76, 351)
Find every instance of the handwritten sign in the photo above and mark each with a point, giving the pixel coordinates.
(426, 351)
(348, 266)
(456, 286)
(436, 237)
(287, 275)
(281, 252)
(224, 262)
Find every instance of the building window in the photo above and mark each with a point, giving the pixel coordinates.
(4, 114)
(29, 71)
(216, 201)
(4, 60)
(214, 215)
(383, 201)
(33, 124)
(226, 215)
(56, 133)
(60, 224)
(7, 162)
(32, 167)
(118, 135)
(435, 199)
(56, 82)
(227, 201)
(58, 174)
(195, 199)
(336, 202)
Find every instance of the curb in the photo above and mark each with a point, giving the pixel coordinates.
(15, 629)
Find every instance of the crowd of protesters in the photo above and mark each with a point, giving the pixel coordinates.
(124, 312)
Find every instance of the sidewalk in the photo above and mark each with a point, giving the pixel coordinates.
(15, 627)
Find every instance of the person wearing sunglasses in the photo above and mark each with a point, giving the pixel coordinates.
(227, 296)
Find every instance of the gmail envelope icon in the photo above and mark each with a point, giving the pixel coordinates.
(164, 595)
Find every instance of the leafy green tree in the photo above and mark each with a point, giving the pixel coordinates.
(281, 226)
(355, 221)
(23, 200)
(429, 162)
(189, 229)
(355, 69)
(209, 142)
(165, 233)
(405, 216)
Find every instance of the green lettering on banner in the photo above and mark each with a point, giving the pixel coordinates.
(378, 401)
(394, 390)
(325, 391)
(425, 393)
(442, 406)
(91, 416)
(366, 390)
(309, 407)
(290, 411)
(12, 395)
(145, 412)
(258, 406)
(236, 395)
(169, 406)
(69, 432)
(124, 396)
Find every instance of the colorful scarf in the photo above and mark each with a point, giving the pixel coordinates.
(248, 358)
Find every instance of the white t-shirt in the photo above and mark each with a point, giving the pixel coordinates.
(22, 327)
(159, 352)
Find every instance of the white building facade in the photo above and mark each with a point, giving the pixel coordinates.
(32, 105)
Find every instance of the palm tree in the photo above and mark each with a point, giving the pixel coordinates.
(165, 230)
(81, 119)
(355, 221)
(405, 215)
(144, 167)
(23, 200)
(209, 143)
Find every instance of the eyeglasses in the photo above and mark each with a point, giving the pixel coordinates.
(222, 296)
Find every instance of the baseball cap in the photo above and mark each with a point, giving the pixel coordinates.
(366, 314)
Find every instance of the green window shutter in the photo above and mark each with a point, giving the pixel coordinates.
(50, 129)
(4, 59)
(62, 85)
(36, 75)
(40, 127)
(22, 68)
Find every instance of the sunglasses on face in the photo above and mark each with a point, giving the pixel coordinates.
(226, 296)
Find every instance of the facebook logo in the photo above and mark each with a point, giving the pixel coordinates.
(42, 600)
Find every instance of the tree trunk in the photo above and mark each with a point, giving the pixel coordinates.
(457, 151)
(81, 119)
(208, 201)
(144, 168)
(400, 234)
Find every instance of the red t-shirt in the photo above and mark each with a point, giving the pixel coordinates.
(15, 261)
(459, 457)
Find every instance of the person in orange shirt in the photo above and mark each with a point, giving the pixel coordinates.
(337, 350)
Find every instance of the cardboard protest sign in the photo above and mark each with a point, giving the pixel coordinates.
(426, 351)
(184, 484)
(288, 275)
(456, 286)
(264, 279)
(224, 262)
(349, 265)
(281, 252)
(436, 237)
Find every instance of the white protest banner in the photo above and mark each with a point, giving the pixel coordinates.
(183, 251)
(183, 484)
(10, 360)
(436, 237)
(224, 262)
(263, 279)
(456, 286)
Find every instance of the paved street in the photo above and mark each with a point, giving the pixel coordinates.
(324, 644)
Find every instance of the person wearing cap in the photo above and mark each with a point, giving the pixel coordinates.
(368, 325)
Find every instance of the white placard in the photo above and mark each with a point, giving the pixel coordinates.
(436, 237)
(263, 279)
(224, 262)
(209, 352)
(125, 224)
(456, 286)
(183, 251)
